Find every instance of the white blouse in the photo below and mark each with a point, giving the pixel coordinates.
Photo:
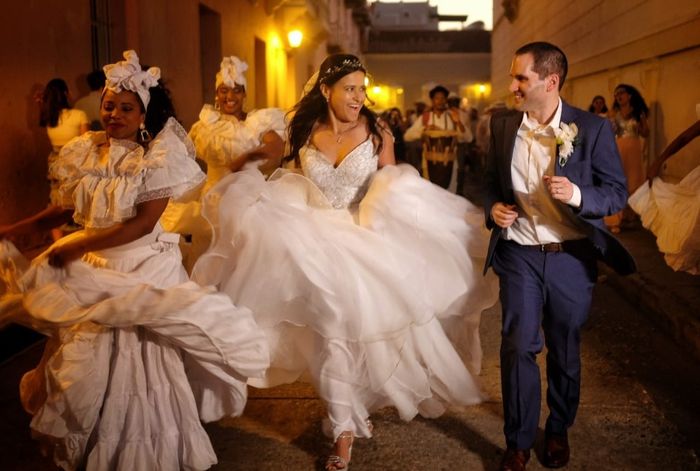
(104, 189)
(220, 138)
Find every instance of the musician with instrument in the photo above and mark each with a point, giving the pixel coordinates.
(440, 129)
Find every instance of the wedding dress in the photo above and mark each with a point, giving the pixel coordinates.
(672, 213)
(137, 354)
(355, 275)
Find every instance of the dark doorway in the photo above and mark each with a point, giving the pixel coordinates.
(209, 50)
(260, 73)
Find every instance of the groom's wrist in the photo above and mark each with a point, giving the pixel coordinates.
(575, 199)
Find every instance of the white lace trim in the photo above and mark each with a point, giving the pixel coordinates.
(154, 195)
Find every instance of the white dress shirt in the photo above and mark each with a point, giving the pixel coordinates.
(541, 218)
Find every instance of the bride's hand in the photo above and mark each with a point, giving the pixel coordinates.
(59, 257)
(654, 170)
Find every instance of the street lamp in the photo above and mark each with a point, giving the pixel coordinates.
(295, 37)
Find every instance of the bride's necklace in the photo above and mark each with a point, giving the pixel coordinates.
(339, 135)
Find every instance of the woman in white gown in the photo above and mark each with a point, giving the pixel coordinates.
(672, 211)
(227, 139)
(350, 270)
(137, 354)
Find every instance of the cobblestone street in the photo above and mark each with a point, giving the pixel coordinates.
(639, 410)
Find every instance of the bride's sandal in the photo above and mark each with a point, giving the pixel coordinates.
(336, 462)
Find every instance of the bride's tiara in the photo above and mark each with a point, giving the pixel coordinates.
(347, 64)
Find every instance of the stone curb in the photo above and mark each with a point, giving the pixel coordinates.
(665, 309)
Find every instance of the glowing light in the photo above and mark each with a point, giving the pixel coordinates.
(399, 91)
(295, 37)
(482, 88)
(376, 89)
(366, 81)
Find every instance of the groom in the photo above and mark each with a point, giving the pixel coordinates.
(553, 172)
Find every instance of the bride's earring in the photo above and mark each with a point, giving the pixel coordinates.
(217, 106)
(143, 133)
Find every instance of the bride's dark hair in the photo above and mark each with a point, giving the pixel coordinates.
(313, 106)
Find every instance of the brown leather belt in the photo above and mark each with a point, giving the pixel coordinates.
(566, 246)
(552, 247)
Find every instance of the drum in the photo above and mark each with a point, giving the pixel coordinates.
(439, 155)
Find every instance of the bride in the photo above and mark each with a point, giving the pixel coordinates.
(353, 266)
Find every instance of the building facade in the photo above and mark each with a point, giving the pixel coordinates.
(407, 55)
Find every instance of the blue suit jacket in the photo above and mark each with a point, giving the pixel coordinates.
(594, 166)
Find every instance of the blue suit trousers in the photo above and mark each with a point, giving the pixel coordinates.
(546, 298)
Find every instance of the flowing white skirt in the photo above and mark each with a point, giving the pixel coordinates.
(137, 355)
(358, 298)
(672, 213)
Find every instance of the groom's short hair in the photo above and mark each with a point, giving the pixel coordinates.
(548, 59)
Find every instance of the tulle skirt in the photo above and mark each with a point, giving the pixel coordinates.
(137, 355)
(359, 298)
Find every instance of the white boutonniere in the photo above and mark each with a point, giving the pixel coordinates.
(567, 139)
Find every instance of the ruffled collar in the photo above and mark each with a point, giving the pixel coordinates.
(210, 115)
(105, 187)
(99, 138)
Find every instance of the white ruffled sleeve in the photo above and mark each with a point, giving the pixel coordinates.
(171, 169)
(219, 139)
(71, 165)
(267, 119)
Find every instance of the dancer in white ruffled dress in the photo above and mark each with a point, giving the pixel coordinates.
(228, 139)
(350, 270)
(672, 211)
(137, 354)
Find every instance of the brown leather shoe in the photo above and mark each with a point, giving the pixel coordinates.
(556, 451)
(514, 460)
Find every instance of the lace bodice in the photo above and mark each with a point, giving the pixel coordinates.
(346, 184)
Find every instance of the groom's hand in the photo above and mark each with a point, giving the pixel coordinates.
(559, 187)
(504, 214)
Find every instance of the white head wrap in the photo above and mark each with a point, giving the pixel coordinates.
(127, 75)
(231, 73)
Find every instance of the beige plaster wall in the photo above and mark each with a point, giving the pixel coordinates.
(649, 44)
(38, 42)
